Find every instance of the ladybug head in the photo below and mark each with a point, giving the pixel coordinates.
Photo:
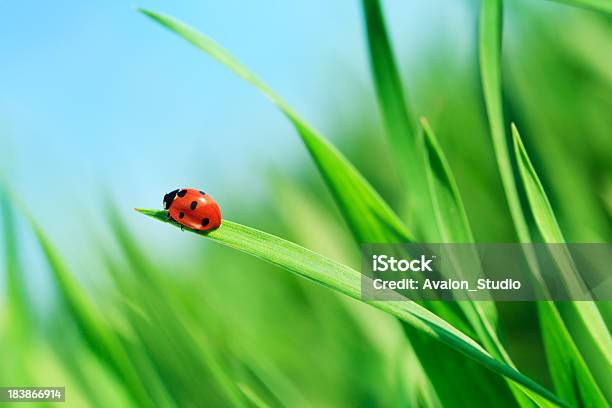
(169, 198)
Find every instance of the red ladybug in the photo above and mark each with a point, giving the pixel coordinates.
(193, 209)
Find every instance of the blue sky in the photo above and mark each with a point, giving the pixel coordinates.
(93, 94)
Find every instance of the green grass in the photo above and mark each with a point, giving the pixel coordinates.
(368, 216)
(179, 327)
(400, 125)
(597, 333)
(596, 5)
(345, 280)
(592, 333)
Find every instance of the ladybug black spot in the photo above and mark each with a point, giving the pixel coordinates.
(181, 215)
(193, 205)
(181, 193)
(203, 193)
(205, 222)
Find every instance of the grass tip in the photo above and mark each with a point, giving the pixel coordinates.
(147, 211)
(516, 136)
(513, 127)
(148, 13)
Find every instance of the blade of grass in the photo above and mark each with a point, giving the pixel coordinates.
(454, 227)
(413, 387)
(490, 34)
(490, 42)
(139, 262)
(589, 329)
(366, 213)
(252, 396)
(543, 109)
(541, 208)
(543, 214)
(571, 376)
(281, 391)
(103, 341)
(538, 200)
(162, 333)
(90, 377)
(439, 358)
(142, 361)
(398, 120)
(449, 209)
(442, 362)
(604, 6)
(343, 279)
(16, 332)
(19, 314)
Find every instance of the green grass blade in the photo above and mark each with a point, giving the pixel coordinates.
(490, 38)
(318, 232)
(490, 42)
(366, 213)
(454, 227)
(398, 119)
(16, 330)
(567, 161)
(252, 396)
(543, 214)
(571, 376)
(141, 282)
(448, 205)
(103, 341)
(591, 334)
(538, 200)
(442, 360)
(137, 259)
(343, 279)
(604, 6)
(15, 284)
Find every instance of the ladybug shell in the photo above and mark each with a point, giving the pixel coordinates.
(195, 209)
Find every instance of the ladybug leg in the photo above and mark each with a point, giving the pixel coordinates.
(169, 218)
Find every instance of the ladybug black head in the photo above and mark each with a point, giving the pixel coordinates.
(169, 198)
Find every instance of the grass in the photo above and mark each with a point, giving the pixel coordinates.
(490, 59)
(593, 335)
(345, 280)
(596, 5)
(229, 329)
(368, 216)
(400, 125)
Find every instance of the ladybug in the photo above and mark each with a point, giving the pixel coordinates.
(192, 209)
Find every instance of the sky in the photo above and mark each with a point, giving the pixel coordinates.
(96, 97)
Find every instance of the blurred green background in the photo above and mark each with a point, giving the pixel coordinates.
(102, 111)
